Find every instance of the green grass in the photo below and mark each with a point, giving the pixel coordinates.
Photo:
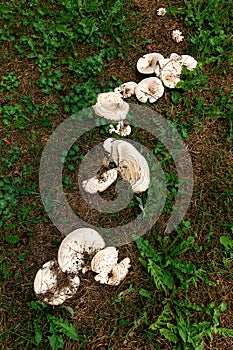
(57, 56)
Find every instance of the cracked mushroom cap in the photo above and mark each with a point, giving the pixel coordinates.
(147, 63)
(170, 74)
(149, 89)
(74, 247)
(100, 183)
(111, 106)
(131, 164)
(119, 272)
(127, 89)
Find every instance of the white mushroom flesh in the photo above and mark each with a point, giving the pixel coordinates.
(161, 11)
(127, 89)
(188, 61)
(119, 272)
(71, 253)
(147, 63)
(65, 292)
(111, 106)
(170, 74)
(100, 183)
(122, 130)
(46, 279)
(177, 36)
(131, 164)
(149, 89)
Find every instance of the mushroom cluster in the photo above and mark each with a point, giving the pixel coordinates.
(82, 250)
(131, 166)
(167, 73)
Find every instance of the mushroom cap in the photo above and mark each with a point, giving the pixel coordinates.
(104, 260)
(170, 74)
(188, 61)
(147, 63)
(75, 245)
(119, 272)
(132, 165)
(100, 183)
(149, 89)
(127, 89)
(46, 279)
(176, 35)
(111, 106)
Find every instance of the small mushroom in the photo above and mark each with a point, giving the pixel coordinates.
(75, 246)
(149, 89)
(177, 35)
(147, 63)
(101, 182)
(127, 89)
(122, 130)
(119, 272)
(111, 106)
(131, 164)
(161, 11)
(170, 73)
(103, 262)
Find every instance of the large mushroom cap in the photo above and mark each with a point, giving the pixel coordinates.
(147, 63)
(111, 106)
(104, 260)
(149, 89)
(126, 89)
(131, 164)
(73, 248)
(170, 74)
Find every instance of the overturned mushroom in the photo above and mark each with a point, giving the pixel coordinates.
(48, 288)
(131, 164)
(104, 263)
(147, 63)
(127, 89)
(101, 182)
(149, 89)
(74, 248)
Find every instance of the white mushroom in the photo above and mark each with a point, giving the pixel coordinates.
(111, 106)
(132, 165)
(65, 292)
(46, 284)
(161, 11)
(177, 36)
(149, 89)
(170, 74)
(100, 183)
(71, 253)
(147, 63)
(103, 262)
(188, 61)
(119, 272)
(46, 279)
(122, 130)
(127, 89)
